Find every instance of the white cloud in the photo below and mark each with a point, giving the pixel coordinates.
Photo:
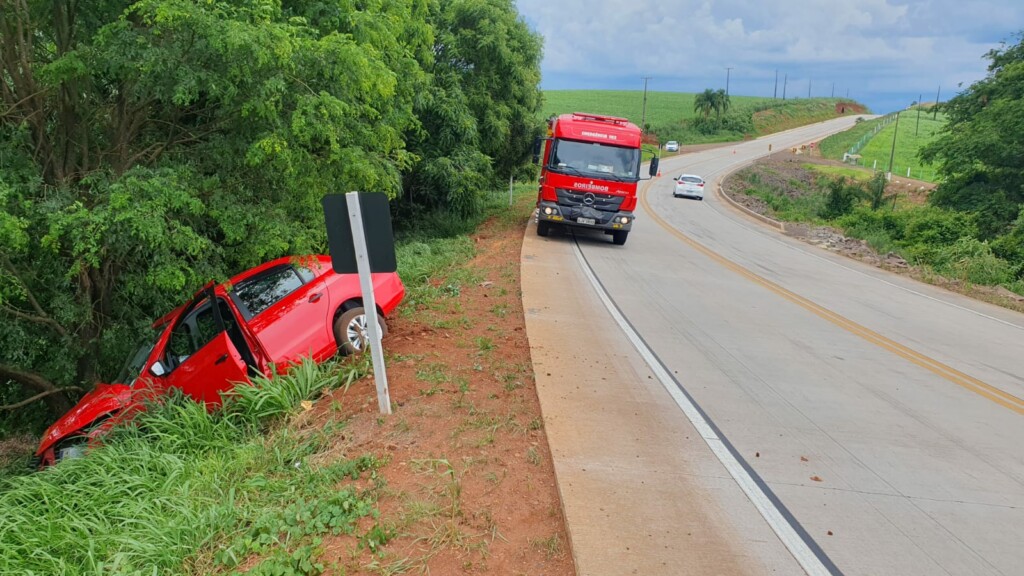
(883, 46)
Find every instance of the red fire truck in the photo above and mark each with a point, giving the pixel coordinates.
(589, 174)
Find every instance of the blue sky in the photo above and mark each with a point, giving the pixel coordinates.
(884, 53)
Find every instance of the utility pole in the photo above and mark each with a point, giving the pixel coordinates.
(918, 125)
(833, 89)
(775, 94)
(892, 153)
(643, 118)
(935, 109)
(727, 70)
(808, 87)
(785, 80)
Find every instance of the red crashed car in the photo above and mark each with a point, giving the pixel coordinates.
(272, 315)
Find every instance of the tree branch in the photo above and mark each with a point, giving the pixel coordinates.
(39, 396)
(40, 317)
(55, 397)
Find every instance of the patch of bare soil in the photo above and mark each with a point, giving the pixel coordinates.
(469, 485)
(785, 171)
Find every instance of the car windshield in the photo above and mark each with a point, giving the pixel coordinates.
(690, 180)
(595, 160)
(137, 361)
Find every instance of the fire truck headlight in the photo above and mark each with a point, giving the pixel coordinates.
(624, 219)
(548, 210)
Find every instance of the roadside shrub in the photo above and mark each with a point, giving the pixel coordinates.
(1010, 246)
(934, 227)
(875, 191)
(972, 260)
(840, 197)
(269, 399)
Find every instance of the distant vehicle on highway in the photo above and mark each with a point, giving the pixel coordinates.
(689, 186)
(671, 146)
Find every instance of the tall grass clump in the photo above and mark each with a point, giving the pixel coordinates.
(181, 490)
(971, 260)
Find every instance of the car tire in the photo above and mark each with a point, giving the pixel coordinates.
(543, 228)
(350, 331)
(619, 237)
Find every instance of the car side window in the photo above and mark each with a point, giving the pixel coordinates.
(193, 332)
(263, 291)
(180, 346)
(305, 273)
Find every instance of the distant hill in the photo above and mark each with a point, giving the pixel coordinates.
(671, 115)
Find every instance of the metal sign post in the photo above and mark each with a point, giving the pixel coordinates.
(369, 302)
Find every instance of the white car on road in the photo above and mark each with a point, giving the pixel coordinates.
(671, 146)
(689, 186)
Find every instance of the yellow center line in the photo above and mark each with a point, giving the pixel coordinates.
(949, 373)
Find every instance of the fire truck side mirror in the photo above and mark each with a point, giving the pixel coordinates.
(654, 167)
(536, 149)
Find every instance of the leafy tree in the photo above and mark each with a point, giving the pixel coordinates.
(477, 116)
(146, 147)
(705, 103)
(980, 154)
(720, 102)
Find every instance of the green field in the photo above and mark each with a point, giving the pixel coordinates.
(663, 108)
(668, 112)
(909, 139)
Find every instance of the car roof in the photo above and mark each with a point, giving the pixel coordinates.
(690, 176)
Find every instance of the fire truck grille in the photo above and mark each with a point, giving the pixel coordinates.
(602, 202)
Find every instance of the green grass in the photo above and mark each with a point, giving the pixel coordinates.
(184, 491)
(840, 143)
(909, 139)
(857, 174)
(912, 135)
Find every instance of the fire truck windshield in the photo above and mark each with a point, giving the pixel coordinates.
(595, 160)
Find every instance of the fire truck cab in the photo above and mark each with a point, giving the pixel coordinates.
(589, 174)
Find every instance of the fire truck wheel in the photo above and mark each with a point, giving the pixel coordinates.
(619, 237)
(543, 228)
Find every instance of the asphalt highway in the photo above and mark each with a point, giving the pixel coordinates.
(719, 396)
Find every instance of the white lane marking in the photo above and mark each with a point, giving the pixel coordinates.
(807, 559)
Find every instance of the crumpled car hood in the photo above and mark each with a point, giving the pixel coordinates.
(100, 401)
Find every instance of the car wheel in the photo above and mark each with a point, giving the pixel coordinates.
(350, 331)
(619, 237)
(543, 228)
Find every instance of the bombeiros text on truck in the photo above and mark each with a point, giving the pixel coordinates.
(590, 169)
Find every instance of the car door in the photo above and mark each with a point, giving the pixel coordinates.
(203, 353)
(289, 311)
